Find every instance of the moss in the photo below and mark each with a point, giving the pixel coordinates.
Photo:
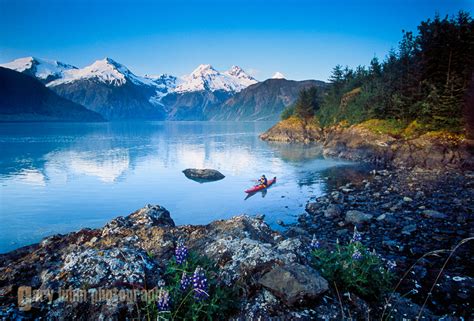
(392, 127)
(446, 136)
(416, 128)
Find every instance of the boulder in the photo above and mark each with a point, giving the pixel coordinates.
(203, 175)
(357, 217)
(332, 211)
(434, 214)
(294, 283)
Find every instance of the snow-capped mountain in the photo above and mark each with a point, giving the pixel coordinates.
(106, 70)
(278, 75)
(205, 77)
(164, 81)
(42, 69)
(112, 90)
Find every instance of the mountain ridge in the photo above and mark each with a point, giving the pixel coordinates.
(111, 89)
(24, 98)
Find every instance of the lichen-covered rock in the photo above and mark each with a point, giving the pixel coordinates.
(131, 253)
(294, 283)
(97, 268)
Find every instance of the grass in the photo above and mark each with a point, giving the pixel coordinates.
(391, 127)
(400, 129)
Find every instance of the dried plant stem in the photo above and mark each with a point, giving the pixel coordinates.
(440, 272)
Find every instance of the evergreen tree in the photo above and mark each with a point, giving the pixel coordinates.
(307, 103)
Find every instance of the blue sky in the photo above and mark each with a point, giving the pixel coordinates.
(301, 39)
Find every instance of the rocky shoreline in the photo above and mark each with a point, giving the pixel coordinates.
(431, 150)
(401, 214)
(413, 213)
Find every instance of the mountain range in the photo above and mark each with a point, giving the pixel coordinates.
(112, 90)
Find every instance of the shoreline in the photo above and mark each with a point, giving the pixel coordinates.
(399, 228)
(402, 212)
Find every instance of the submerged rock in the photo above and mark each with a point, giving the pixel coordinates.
(203, 175)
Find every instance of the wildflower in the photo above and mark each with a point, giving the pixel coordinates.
(185, 281)
(200, 284)
(181, 253)
(356, 237)
(391, 265)
(356, 255)
(315, 243)
(163, 303)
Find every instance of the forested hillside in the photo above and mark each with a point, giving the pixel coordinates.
(426, 83)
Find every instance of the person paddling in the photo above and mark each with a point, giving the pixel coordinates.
(263, 181)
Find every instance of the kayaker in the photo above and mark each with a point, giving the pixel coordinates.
(263, 180)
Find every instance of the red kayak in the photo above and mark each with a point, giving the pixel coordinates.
(257, 188)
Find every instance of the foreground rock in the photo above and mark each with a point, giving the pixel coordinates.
(203, 174)
(294, 283)
(131, 253)
(403, 215)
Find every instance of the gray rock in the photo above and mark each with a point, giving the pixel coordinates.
(294, 283)
(148, 216)
(407, 230)
(381, 217)
(357, 217)
(434, 214)
(312, 207)
(407, 199)
(332, 211)
(203, 175)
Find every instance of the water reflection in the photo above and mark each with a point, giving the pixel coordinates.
(61, 177)
(296, 153)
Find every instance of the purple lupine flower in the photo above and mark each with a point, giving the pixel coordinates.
(181, 253)
(356, 255)
(391, 265)
(185, 281)
(163, 302)
(315, 243)
(200, 284)
(356, 237)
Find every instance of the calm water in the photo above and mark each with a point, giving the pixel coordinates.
(56, 178)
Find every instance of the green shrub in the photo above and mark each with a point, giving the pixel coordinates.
(192, 291)
(287, 112)
(354, 268)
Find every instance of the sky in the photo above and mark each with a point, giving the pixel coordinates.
(303, 39)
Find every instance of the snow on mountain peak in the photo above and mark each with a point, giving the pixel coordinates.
(205, 77)
(278, 75)
(239, 73)
(106, 70)
(235, 71)
(40, 68)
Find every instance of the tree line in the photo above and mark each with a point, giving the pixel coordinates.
(427, 78)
